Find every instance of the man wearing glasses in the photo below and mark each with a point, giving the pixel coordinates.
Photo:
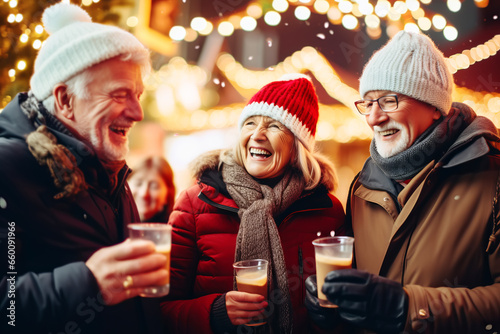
(424, 209)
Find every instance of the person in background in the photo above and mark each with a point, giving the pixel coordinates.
(64, 200)
(424, 209)
(152, 185)
(267, 198)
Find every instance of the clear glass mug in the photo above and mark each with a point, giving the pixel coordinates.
(331, 253)
(251, 277)
(161, 235)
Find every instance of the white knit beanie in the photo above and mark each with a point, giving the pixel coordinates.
(75, 44)
(410, 64)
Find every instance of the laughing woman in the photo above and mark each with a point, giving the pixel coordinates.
(267, 198)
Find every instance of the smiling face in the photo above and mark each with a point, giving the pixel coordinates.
(266, 146)
(397, 130)
(105, 118)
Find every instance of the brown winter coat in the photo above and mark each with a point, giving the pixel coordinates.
(434, 242)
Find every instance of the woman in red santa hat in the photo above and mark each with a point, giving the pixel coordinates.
(266, 198)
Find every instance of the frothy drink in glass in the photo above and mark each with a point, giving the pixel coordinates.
(251, 277)
(331, 253)
(161, 235)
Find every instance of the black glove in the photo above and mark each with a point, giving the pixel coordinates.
(369, 301)
(325, 318)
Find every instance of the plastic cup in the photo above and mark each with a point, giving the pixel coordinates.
(161, 235)
(251, 277)
(331, 253)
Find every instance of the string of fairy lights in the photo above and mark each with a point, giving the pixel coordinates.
(371, 15)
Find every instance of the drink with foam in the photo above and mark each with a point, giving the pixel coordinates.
(331, 253)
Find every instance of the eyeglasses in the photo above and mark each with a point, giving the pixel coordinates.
(386, 103)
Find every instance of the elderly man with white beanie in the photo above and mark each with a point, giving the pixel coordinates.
(64, 200)
(424, 210)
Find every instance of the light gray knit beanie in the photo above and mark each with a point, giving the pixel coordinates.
(410, 64)
(75, 44)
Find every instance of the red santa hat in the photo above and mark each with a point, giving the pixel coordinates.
(292, 101)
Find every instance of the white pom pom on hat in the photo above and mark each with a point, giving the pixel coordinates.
(76, 43)
(292, 101)
(412, 65)
(55, 18)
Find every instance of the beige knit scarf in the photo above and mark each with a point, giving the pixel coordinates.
(258, 236)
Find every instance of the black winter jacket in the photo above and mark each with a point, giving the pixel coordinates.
(44, 242)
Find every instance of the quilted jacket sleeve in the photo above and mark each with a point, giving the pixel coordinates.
(182, 313)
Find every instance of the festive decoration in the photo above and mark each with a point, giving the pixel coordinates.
(22, 35)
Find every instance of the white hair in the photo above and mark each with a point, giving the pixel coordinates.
(77, 85)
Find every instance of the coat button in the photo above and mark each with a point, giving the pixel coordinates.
(84, 216)
(3, 203)
(386, 199)
(422, 312)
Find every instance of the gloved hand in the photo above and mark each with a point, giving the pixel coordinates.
(369, 301)
(325, 318)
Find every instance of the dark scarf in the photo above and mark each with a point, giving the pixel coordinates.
(258, 236)
(431, 145)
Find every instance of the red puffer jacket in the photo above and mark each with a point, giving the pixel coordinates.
(205, 225)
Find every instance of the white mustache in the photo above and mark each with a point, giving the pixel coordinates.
(391, 125)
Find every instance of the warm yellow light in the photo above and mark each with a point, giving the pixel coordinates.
(12, 73)
(13, 3)
(177, 33)
(11, 18)
(280, 5)
(255, 11)
(450, 33)
(400, 7)
(382, 8)
(439, 22)
(412, 5)
(21, 65)
(411, 27)
(86, 2)
(225, 28)
(248, 23)
(334, 15)
(394, 15)
(132, 21)
(454, 5)
(198, 23)
(191, 35)
(23, 38)
(272, 18)
(418, 13)
(302, 13)
(37, 44)
(39, 29)
(345, 6)
(372, 21)
(424, 23)
(208, 29)
(19, 17)
(350, 22)
(321, 6)
(365, 8)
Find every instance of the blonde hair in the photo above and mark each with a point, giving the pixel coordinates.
(313, 166)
